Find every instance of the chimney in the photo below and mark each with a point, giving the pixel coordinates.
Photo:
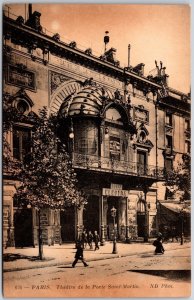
(30, 10)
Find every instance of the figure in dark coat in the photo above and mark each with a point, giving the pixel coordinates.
(84, 239)
(90, 239)
(159, 247)
(79, 255)
(96, 239)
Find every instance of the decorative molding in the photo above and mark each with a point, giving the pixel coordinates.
(62, 92)
(56, 79)
(168, 130)
(140, 114)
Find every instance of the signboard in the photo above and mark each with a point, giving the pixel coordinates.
(115, 192)
(116, 186)
(20, 76)
(115, 147)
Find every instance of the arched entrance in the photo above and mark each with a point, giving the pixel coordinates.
(141, 218)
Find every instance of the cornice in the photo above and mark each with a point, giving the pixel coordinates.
(32, 39)
(22, 32)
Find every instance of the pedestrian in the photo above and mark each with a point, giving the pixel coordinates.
(84, 238)
(159, 247)
(79, 255)
(96, 240)
(90, 239)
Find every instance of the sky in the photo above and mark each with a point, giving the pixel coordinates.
(155, 32)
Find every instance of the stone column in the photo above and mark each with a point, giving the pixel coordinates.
(79, 222)
(122, 218)
(8, 214)
(132, 213)
(102, 243)
(127, 239)
(105, 204)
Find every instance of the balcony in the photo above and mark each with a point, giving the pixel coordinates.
(103, 164)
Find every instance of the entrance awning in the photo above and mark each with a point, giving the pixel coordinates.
(173, 216)
(177, 207)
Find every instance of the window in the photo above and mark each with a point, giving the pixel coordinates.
(169, 119)
(86, 146)
(187, 125)
(22, 107)
(21, 142)
(115, 147)
(141, 162)
(113, 115)
(86, 137)
(169, 141)
(140, 206)
(168, 164)
(187, 147)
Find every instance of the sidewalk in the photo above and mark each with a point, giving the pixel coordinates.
(26, 258)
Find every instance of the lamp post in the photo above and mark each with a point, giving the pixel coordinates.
(71, 140)
(182, 225)
(113, 214)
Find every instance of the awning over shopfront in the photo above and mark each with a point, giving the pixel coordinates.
(172, 214)
(177, 207)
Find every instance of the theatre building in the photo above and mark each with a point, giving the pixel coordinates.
(122, 129)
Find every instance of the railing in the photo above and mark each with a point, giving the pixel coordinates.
(116, 166)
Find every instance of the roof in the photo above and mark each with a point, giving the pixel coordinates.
(88, 101)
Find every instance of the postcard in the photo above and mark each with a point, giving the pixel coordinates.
(96, 108)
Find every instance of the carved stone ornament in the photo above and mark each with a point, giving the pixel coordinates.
(141, 114)
(90, 82)
(56, 79)
(169, 130)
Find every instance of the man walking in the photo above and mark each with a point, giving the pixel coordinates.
(79, 255)
(96, 240)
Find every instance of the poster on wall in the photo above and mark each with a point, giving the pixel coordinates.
(110, 218)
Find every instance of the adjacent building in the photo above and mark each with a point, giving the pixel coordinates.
(123, 130)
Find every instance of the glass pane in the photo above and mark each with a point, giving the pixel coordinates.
(16, 143)
(21, 142)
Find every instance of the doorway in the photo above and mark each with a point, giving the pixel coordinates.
(91, 214)
(112, 202)
(68, 224)
(141, 224)
(23, 228)
(141, 218)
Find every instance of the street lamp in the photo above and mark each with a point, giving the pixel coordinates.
(182, 225)
(71, 131)
(113, 214)
(71, 140)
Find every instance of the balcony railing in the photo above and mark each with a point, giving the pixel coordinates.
(116, 166)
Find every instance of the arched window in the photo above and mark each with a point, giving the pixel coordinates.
(140, 206)
(22, 106)
(112, 114)
(21, 132)
(115, 141)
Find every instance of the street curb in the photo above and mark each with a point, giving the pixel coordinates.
(88, 260)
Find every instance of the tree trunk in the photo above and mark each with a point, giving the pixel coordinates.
(40, 244)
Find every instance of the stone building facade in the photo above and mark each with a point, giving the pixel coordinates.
(123, 129)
